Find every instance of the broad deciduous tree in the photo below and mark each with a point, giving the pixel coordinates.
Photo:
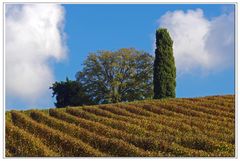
(124, 75)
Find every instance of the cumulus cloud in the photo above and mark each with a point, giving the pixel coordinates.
(34, 35)
(200, 43)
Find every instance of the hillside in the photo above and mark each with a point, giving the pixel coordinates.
(170, 127)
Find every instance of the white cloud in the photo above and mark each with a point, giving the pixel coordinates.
(34, 35)
(200, 43)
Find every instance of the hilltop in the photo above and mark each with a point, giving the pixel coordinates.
(202, 126)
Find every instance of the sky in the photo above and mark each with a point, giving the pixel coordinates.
(45, 43)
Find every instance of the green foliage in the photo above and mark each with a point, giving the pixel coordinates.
(169, 127)
(164, 66)
(124, 75)
(69, 93)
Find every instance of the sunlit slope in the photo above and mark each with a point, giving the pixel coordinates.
(171, 127)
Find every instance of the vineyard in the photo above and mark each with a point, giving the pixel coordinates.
(186, 127)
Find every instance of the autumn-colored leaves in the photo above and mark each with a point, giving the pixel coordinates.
(171, 127)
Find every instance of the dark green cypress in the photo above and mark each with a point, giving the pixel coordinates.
(164, 66)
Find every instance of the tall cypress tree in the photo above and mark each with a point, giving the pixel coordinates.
(164, 66)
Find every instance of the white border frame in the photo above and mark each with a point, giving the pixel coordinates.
(2, 66)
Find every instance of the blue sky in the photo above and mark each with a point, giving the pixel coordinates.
(95, 27)
(89, 28)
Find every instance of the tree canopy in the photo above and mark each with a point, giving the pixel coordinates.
(164, 66)
(123, 75)
(69, 93)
